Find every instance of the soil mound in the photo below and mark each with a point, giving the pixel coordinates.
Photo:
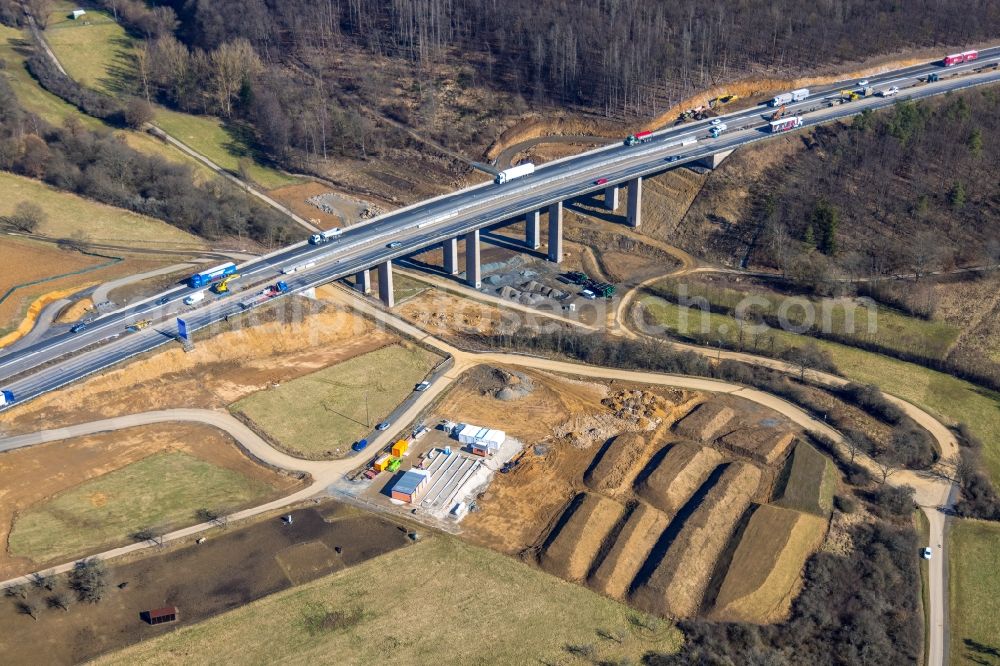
(677, 584)
(630, 550)
(706, 422)
(760, 443)
(677, 475)
(576, 539)
(616, 468)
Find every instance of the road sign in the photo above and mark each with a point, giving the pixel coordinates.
(182, 329)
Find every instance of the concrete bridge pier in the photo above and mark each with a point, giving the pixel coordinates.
(532, 235)
(556, 233)
(611, 197)
(713, 161)
(634, 214)
(385, 292)
(450, 248)
(473, 269)
(363, 281)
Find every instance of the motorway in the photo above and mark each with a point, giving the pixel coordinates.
(61, 359)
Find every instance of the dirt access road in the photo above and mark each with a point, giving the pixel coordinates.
(930, 491)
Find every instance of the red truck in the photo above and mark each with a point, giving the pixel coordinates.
(638, 137)
(958, 58)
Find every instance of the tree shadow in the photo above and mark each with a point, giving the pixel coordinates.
(122, 78)
(981, 653)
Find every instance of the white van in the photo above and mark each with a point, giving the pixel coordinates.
(196, 297)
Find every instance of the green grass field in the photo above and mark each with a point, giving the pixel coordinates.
(34, 98)
(942, 395)
(69, 215)
(890, 329)
(314, 415)
(210, 137)
(811, 482)
(163, 490)
(94, 50)
(441, 601)
(974, 588)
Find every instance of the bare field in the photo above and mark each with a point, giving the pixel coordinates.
(35, 474)
(222, 369)
(765, 573)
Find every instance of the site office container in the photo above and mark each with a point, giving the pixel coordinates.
(400, 447)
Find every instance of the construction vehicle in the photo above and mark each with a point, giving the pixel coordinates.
(777, 114)
(222, 286)
(933, 78)
(138, 325)
(722, 101)
(849, 96)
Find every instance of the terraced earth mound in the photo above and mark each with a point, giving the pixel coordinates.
(626, 556)
(576, 540)
(708, 421)
(810, 483)
(616, 467)
(676, 585)
(765, 572)
(668, 482)
(763, 444)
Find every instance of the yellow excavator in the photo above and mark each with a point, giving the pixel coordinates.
(222, 287)
(849, 95)
(777, 114)
(138, 325)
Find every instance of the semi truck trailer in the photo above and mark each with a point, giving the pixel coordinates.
(519, 171)
(637, 138)
(959, 58)
(211, 275)
(324, 236)
(785, 124)
(789, 97)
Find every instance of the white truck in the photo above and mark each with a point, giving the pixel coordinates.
(888, 92)
(716, 130)
(324, 236)
(196, 297)
(788, 98)
(518, 171)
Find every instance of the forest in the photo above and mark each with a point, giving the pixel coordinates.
(280, 65)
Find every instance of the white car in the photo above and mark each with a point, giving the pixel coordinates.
(863, 82)
(422, 386)
(716, 121)
(889, 92)
(926, 553)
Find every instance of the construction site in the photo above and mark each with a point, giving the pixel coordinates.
(677, 502)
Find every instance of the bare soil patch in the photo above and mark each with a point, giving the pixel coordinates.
(201, 580)
(706, 422)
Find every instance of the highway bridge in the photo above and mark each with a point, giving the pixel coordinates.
(460, 216)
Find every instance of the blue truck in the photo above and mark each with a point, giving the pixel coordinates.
(211, 275)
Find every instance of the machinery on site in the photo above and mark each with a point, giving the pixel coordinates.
(789, 97)
(778, 113)
(264, 294)
(324, 236)
(138, 325)
(637, 138)
(849, 95)
(519, 171)
(222, 286)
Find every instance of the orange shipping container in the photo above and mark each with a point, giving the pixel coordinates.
(382, 463)
(399, 448)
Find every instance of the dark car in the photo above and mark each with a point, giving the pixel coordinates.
(394, 244)
(383, 426)
(163, 300)
(78, 327)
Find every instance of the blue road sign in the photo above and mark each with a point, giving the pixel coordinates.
(182, 329)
